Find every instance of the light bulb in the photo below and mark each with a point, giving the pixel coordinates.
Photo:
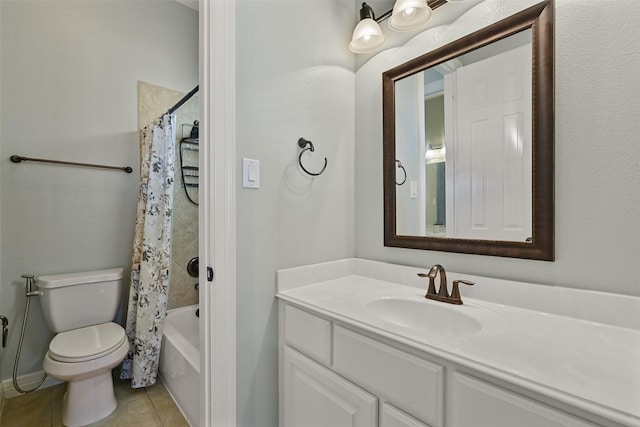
(409, 12)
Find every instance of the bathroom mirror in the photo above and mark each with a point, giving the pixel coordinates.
(468, 143)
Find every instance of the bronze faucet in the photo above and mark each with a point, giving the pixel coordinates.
(443, 293)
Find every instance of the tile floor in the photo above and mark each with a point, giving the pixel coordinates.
(145, 407)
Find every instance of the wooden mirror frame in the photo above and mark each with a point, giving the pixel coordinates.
(540, 18)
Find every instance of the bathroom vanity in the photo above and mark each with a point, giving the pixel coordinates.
(361, 346)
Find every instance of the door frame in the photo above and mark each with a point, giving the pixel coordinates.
(217, 243)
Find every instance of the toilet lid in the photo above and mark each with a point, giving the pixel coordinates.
(90, 342)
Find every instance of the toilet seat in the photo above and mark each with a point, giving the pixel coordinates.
(88, 343)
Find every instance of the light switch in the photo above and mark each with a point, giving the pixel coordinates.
(250, 173)
(413, 189)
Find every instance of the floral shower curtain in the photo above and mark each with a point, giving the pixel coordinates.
(151, 252)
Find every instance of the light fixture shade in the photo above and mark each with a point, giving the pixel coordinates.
(409, 14)
(367, 37)
(435, 155)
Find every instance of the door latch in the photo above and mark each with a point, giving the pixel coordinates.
(209, 274)
(5, 330)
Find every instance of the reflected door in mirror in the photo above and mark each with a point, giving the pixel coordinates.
(491, 170)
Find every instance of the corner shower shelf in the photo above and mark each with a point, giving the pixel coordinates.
(189, 172)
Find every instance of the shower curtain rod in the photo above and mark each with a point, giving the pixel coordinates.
(183, 100)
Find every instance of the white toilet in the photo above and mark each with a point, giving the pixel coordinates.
(80, 308)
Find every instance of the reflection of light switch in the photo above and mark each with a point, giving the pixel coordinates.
(250, 173)
(413, 189)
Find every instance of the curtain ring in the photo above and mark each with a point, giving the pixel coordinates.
(308, 145)
(404, 171)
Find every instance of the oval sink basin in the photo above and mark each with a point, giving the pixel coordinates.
(432, 317)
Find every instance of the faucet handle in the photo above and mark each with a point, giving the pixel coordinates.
(455, 292)
(431, 290)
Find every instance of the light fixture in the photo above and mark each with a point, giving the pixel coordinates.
(367, 36)
(435, 155)
(406, 15)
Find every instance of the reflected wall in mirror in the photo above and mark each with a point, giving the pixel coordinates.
(473, 124)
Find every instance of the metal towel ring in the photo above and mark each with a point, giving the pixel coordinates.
(308, 145)
(403, 170)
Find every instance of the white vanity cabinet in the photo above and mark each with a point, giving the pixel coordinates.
(332, 375)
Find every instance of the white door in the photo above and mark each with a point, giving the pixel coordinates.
(493, 156)
(316, 397)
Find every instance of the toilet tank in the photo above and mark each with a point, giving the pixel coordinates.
(75, 300)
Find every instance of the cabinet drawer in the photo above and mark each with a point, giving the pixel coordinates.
(479, 404)
(410, 383)
(308, 334)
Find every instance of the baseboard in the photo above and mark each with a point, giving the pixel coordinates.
(27, 382)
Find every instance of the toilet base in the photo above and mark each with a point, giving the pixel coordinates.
(88, 400)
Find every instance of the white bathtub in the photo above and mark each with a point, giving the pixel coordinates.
(180, 361)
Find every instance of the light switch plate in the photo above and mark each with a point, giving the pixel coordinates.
(250, 173)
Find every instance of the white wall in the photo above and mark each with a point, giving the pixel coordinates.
(69, 91)
(298, 81)
(408, 141)
(294, 79)
(597, 152)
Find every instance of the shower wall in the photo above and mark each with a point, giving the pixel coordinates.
(152, 102)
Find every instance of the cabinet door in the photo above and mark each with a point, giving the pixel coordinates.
(479, 404)
(316, 397)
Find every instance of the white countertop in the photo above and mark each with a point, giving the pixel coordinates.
(589, 359)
